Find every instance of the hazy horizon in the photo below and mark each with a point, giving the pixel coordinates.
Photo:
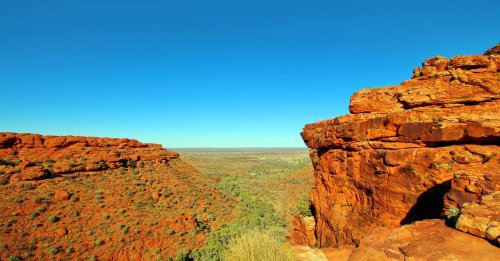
(218, 74)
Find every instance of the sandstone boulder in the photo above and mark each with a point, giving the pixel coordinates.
(61, 195)
(482, 219)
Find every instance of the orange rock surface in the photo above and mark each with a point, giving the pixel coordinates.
(302, 232)
(32, 156)
(81, 198)
(391, 161)
(424, 240)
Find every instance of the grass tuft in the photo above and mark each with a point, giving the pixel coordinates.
(257, 245)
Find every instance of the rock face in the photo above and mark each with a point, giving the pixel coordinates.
(482, 219)
(424, 240)
(33, 156)
(303, 231)
(392, 160)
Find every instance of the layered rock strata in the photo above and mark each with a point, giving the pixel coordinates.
(392, 160)
(32, 156)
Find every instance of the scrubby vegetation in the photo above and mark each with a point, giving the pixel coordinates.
(257, 245)
(154, 214)
(172, 213)
(271, 187)
(254, 214)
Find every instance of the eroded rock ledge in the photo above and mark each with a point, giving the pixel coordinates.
(393, 160)
(25, 156)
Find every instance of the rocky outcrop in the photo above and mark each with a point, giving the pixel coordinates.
(302, 232)
(33, 156)
(481, 219)
(392, 160)
(424, 240)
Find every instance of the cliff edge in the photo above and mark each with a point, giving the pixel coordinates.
(26, 156)
(426, 149)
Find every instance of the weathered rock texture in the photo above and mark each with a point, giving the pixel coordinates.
(33, 156)
(424, 240)
(482, 219)
(302, 232)
(118, 199)
(390, 162)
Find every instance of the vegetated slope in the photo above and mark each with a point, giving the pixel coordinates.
(271, 186)
(425, 149)
(102, 198)
(281, 177)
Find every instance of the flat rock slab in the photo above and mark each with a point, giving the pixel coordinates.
(424, 240)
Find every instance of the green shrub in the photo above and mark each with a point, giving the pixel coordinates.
(257, 245)
(33, 215)
(12, 163)
(102, 164)
(303, 207)
(9, 223)
(15, 258)
(131, 164)
(182, 255)
(125, 230)
(53, 219)
(50, 161)
(453, 215)
(255, 214)
(53, 250)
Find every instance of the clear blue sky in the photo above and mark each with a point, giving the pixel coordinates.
(216, 73)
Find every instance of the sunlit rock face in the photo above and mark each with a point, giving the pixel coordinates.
(393, 160)
(32, 156)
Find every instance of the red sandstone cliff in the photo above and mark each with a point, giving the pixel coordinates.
(421, 150)
(78, 198)
(26, 156)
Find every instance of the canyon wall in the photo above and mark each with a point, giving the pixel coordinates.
(26, 156)
(82, 198)
(425, 149)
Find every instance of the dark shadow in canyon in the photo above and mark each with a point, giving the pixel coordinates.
(429, 204)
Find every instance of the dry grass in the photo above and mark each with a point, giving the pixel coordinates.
(256, 245)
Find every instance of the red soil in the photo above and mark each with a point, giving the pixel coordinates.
(154, 210)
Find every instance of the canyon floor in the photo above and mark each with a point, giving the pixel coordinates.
(281, 177)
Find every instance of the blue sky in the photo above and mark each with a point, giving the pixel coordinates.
(216, 73)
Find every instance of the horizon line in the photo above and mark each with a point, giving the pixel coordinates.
(221, 148)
